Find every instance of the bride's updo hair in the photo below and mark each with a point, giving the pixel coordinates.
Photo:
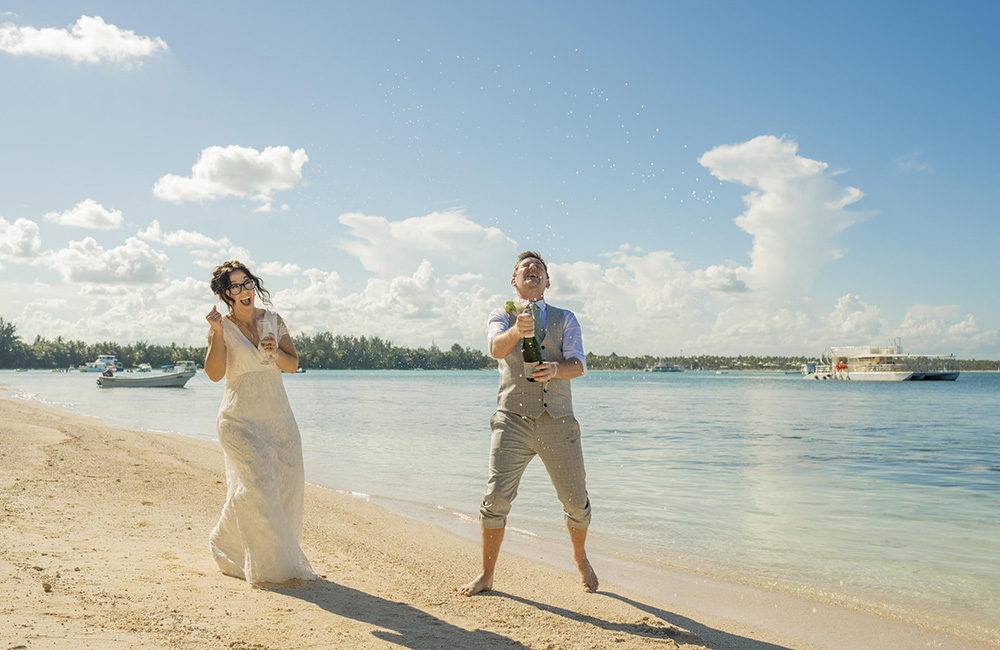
(220, 282)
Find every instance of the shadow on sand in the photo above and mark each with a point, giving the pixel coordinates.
(400, 623)
(697, 633)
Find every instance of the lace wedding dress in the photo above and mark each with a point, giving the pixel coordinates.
(258, 536)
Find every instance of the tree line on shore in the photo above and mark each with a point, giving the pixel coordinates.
(323, 351)
(328, 351)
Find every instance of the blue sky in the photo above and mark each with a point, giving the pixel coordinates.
(726, 178)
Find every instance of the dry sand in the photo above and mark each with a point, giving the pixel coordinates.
(103, 544)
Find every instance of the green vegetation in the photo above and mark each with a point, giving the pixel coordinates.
(322, 351)
(60, 353)
(326, 351)
(697, 362)
(741, 362)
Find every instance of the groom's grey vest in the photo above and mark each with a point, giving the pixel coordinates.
(522, 397)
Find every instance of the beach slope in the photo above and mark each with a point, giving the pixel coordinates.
(104, 545)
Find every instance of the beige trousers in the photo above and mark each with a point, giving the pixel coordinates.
(516, 440)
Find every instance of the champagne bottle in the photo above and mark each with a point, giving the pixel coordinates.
(532, 355)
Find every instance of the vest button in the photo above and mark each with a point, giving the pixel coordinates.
(543, 347)
(545, 405)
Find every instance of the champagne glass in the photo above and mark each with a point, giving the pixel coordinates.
(265, 329)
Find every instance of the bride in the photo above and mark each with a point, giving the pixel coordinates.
(258, 536)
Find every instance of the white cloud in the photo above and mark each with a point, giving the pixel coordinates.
(278, 269)
(771, 329)
(89, 40)
(235, 171)
(438, 276)
(410, 310)
(320, 296)
(795, 213)
(189, 239)
(19, 239)
(853, 322)
(86, 261)
(461, 279)
(758, 327)
(647, 302)
(941, 329)
(719, 278)
(640, 302)
(88, 214)
(209, 259)
(206, 251)
(452, 240)
(912, 162)
(174, 312)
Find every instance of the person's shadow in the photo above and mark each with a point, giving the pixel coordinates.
(682, 629)
(402, 624)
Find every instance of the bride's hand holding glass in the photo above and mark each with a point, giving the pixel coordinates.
(268, 340)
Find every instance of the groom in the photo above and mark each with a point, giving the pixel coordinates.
(534, 418)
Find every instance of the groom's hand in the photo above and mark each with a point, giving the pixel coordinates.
(545, 371)
(525, 324)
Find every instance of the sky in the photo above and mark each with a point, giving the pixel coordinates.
(702, 177)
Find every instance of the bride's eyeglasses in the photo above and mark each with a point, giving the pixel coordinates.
(237, 289)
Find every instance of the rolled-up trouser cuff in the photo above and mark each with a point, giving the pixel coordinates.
(492, 522)
(579, 520)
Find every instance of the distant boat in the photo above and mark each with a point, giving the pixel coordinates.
(101, 364)
(186, 366)
(664, 366)
(147, 380)
(174, 376)
(870, 363)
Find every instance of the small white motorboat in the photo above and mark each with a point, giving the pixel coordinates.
(665, 366)
(104, 361)
(172, 377)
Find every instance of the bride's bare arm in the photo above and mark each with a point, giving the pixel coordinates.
(288, 358)
(215, 358)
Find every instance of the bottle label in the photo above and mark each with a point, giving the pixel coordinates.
(529, 369)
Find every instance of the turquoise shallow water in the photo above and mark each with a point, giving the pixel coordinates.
(887, 492)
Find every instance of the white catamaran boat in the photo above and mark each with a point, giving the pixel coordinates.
(871, 363)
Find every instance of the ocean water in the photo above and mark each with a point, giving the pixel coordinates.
(882, 492)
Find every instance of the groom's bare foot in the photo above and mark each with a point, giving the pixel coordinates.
(587, 574)
(480, 584)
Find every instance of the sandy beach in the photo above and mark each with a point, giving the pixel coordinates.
(103, 544)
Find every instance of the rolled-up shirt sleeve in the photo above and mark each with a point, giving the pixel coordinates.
(572, 343)
(497, 324)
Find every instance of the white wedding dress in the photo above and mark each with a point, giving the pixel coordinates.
(259, 534)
